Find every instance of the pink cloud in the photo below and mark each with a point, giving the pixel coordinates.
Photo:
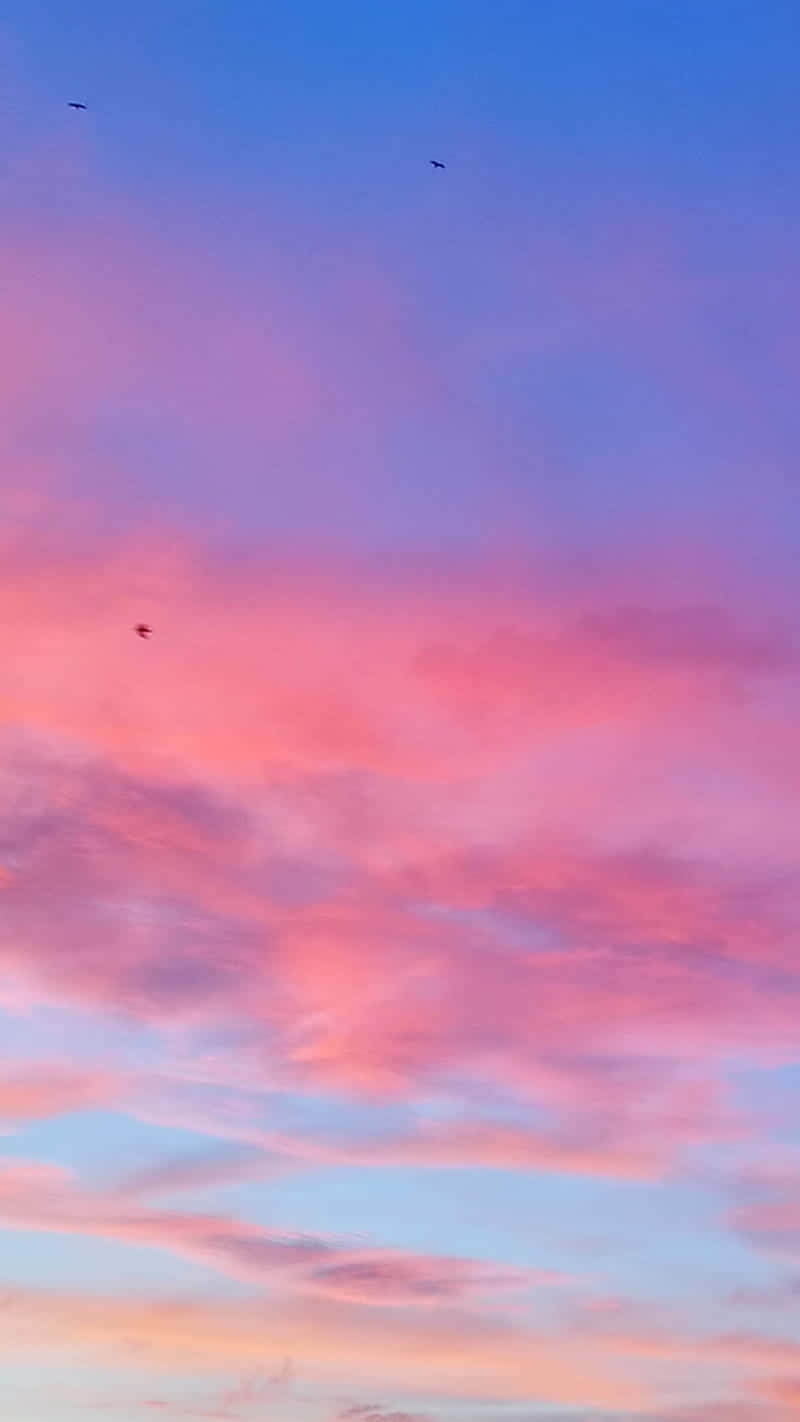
(40, 1197)
(36, 1091)
(780, 1295)
(634, 958)
(460, 677)
(764, 1211)
(785, 1392)
(402, 831)
(198, 1172)
(576, 1145)
(257, 1389)
(489, 1144)
(773, 1222)
(154, 367)
(726, 1411)
(474, 1144)
(374, 1412)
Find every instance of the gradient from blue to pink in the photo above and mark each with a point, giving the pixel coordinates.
(399, 952)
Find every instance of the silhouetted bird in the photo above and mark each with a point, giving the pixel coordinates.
(434, 162)
(73, 105)
(142, 630)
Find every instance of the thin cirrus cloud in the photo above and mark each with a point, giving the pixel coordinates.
(201, 1170)
(42, 1197)
(142, 366)
(373, 1412)
(773, 1223)
(477, 1144)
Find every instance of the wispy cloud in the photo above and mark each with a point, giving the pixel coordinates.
(35, 1091)
(450, 1355)
(36, 1196)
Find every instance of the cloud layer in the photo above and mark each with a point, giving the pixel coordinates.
(428, 880)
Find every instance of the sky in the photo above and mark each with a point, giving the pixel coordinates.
(399, 984)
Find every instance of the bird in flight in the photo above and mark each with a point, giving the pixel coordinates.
(73, 105)
(434, 162)
(142, 630)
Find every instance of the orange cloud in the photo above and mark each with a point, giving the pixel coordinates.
(454, 1355)
(785, 1392)
(448, 1354)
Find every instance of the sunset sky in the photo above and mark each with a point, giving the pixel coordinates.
(400, 990)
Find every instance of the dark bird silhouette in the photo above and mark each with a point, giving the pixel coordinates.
(434, 162)
(142, 630)
(73, 105)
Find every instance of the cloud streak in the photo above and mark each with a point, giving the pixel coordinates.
(454, 1356)
(40, 1197)
(36, 1091)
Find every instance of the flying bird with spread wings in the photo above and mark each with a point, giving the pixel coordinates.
(434, 162)
(73, 105)
(142, 630)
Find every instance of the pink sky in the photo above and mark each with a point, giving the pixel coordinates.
(399, 994)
